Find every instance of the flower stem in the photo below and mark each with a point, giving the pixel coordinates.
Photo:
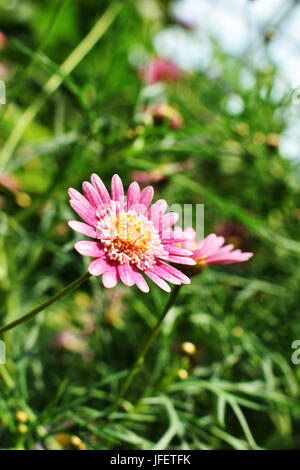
(56, 297)
(140, 358)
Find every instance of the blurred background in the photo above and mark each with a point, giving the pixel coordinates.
(201, 99)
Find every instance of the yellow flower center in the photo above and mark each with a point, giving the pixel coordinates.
(129, 237)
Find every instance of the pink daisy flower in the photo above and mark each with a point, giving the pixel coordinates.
(131, 237)
(211, 250)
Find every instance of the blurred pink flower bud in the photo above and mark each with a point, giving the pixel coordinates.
(159, 70)
(72, 341)
(162, 172)
(158, 113)
(10, 182)
(3, 41)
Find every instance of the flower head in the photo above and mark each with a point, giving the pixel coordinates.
(159, 70)
(210, 251)
(130, 236)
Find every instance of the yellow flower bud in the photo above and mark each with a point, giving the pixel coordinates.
(21, 417)
(182, 374)
(188, 348)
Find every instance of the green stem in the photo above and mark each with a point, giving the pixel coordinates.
(140, 358)
(56, 297)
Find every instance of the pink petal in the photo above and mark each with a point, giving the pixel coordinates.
(169, 220)
(160, 282)
(139, 208)
(117, 191)
(175, 250)
(218, 261)
(164, 274)
(218, 244)
(74, 194)
(210, 244)
(86, 212)
(225, 249)
(91, 194)
(182, 277)
(126, 274)
(98, 266)
(215, 252)
(246, 255)
(235, 257)
(140, 281)
(155, 213)
(203, 243)
(168, 237)
(186, 238)
(146, 196)
(190, 234)
(84, 203)
(163, 256)
(133, 195)
(80, 199)
(87, 248)
(101, 189)
(83, 228)
(181, 260)
(198, 255)
(110, 277)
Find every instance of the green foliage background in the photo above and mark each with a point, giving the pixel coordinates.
(62, 123)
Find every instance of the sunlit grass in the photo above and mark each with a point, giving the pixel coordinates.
(76, 111)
